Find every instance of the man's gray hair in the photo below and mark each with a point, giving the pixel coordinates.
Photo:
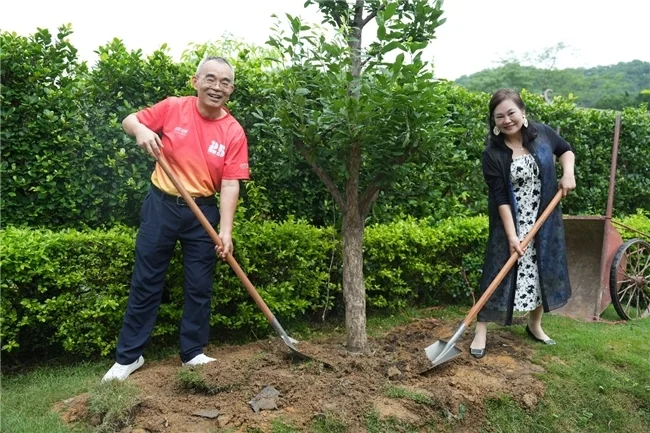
(216, 59)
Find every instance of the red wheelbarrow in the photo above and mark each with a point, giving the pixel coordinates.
(603, 268)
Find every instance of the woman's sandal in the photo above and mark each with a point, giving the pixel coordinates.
(549, 341)
(478, 353)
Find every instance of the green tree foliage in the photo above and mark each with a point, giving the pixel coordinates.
(607, 87)
(356, 118)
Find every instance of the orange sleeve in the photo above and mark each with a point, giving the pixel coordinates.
(236, 159)
(154, 117)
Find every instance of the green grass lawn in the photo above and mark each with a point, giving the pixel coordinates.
(598, 380)
(28, 398)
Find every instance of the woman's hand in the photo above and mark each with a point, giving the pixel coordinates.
(567, 183)
(513, 242)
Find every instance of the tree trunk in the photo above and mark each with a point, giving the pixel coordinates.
(354, 42)
(354, 292)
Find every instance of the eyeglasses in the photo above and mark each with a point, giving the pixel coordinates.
(211, 81)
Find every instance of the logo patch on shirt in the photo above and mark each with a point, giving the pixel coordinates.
(180, 131)
(217, 149)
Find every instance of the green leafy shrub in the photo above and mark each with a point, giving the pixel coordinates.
(66, 161)
(411, 260)
(47, 164)
(69, 289)
(66, 288)
(640, 222)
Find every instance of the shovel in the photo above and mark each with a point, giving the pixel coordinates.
(442, 351)
(290, 342)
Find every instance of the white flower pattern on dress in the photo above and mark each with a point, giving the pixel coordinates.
(527, 186)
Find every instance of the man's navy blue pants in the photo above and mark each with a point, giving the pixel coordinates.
(162, 223)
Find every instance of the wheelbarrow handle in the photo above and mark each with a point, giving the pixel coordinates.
(216, 239)
(512, 260)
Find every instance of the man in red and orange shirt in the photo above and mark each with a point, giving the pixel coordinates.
(207, 149)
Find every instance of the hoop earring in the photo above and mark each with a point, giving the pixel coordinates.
(496, 130)
(525, 122)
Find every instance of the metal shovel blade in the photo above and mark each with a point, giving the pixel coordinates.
(290, 342)
(442, 351)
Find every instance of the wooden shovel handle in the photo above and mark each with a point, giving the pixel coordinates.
(216, 239)
(512, 260)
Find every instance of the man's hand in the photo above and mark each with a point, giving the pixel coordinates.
(226, 240)
(148, 140)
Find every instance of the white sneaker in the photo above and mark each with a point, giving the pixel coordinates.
(121, 372)
(199, 359)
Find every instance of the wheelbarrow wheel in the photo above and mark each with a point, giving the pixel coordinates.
(629, 280)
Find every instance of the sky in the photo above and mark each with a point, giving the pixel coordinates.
(476, 36)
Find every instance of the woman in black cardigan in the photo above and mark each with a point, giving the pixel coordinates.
(519, 169)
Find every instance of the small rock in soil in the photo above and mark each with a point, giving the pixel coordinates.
(394, 373)
(530, 401)
(154, 425)
(209, 413)
(223, 420)
(265, 400)
(95, 420)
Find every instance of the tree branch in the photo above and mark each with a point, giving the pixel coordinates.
(371, 193)
(354, 42)
(321, 173)
(369, 18)
(369, 197)
(358, 13)
(372, 15)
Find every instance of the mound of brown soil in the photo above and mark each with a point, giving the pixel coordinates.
(387, 381)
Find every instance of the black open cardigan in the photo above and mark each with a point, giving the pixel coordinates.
(549, 240)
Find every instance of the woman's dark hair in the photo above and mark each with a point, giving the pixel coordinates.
(527, 134)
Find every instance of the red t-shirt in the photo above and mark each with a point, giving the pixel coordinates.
(200, 151)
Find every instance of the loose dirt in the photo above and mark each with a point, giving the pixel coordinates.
(386, 381)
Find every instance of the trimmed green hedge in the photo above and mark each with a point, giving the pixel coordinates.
(412, 260)
(67, 290)
(640, 222)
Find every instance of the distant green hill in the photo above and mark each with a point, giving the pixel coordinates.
(614, 86)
